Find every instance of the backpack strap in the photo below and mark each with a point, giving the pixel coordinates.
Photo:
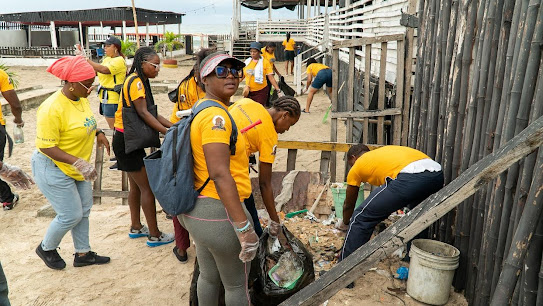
(130, 81)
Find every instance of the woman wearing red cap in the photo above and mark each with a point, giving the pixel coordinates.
(65, 133)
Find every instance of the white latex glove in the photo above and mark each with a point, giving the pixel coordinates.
(248, 240)
(79, 50)
(16, 176)
(341, 226)
(280, 94)
(86, 169)
(274, 228)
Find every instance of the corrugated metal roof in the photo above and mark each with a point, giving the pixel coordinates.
(276, 4)
(111, 16)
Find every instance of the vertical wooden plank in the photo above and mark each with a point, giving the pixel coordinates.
(381, 98)
(333, 121)
(350, 94)
(124, 186)
(397, 120)
(325, 163)
(291, 159)
(408, 74)
(98, 165)
(367, 79)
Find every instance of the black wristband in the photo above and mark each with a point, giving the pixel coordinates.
(99, 131)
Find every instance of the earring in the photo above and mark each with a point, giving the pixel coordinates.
(71, 89)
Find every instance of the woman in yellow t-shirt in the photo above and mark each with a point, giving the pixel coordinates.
(189, 92)
(317, 75)
(137, 93)
(219, 223)
(111, 74)
(290, 46)
(268, 52)
(278, 119)
(258, 72)
(65, 132)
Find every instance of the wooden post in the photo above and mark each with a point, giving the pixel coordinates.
(101, 30)
(136, 24)
(308, 9)
(29, 35)
(124, 187)
(350, 95)
(325, 7)
(381, 98)
(53, 31)
(411, 10)
(400, 68)
(367, 79)
(124, 30)
(98, 165)
(291, 159)
(147, 43)
(269, 10)
(422, 216)
(333, 121)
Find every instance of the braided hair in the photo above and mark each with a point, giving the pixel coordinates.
(143, 54)
(289, 104)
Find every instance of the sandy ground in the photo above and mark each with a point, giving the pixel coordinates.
(137, 274)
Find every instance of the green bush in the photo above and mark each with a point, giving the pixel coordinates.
(169, 43)
(12, 75)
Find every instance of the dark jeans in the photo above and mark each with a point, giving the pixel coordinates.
(4, 301)
(5, 191)
(407, 190)
(251, 208)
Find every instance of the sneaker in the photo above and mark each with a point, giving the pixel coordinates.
(10, 205)
(91, 258)
(182, 259)
(114, 158)
(158, 241)
(303, 111)
(51, 258)
(114, 166)
(142, 232)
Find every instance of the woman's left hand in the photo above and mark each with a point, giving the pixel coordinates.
(102, 141)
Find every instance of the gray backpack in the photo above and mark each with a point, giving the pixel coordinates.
(170, 169)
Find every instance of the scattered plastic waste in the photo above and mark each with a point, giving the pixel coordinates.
(273, 244)
(402, 273)
(287, 271)
(295, 213)
(399, 252)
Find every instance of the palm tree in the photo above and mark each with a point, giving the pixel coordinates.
(12, 75)
(170, 43)
(128, 48)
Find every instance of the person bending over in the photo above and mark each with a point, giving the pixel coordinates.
(317, 75)
(405, 177)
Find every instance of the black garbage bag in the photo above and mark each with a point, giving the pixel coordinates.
(264, 290)
(287, 90)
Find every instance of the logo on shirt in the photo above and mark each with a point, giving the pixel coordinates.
(218, 123)
(274, 150)
(90, 124)
(139, 85)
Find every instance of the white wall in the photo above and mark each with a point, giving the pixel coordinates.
(13, 38)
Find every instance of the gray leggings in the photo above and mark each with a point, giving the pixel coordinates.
(217, 249)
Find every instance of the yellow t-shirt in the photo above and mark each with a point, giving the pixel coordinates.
(263, 137)
(117, 67)
(68, 125)
(376, 165)
(212, 125)
(314, 68)
(135, 92)
(5, 85)
(289, 45)
(269, 56)
(189, 93)
(249, 71)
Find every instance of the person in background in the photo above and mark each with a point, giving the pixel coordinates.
(317, 75)
(219, 223)
(190, 92)
(268, 52)
(65, 133)
(14, 175)
(111, 74)
(290, 46)
(278, 119)
(8, 198)
(146, 66)
(406, 177)
(258, 72)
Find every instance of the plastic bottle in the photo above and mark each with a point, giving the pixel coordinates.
(289, 268)
(18, 134)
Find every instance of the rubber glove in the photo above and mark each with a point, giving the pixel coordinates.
(248, 240)
(16, 176)
(86, 169)
(341, 226)
(280, 93)
(274, 228)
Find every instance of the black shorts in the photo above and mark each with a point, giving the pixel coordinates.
(289, 55)
(127, 162)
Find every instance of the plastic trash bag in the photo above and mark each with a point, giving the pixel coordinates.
(265, 291)
(285, 88)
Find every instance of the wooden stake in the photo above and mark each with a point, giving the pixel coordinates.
(136, 24)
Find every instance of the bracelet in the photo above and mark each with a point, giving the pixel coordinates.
(243, 229)
(98, 132)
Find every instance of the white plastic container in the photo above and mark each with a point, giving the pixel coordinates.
(431, 271)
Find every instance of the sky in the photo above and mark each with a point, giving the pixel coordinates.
(199, 12)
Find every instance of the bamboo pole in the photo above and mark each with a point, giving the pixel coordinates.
(533, 261)
(539, 300)
(136, 24)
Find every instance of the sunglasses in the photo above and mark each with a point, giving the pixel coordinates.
(222, 72)
(157, 66)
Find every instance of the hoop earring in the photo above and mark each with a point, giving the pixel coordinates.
(71, 89)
